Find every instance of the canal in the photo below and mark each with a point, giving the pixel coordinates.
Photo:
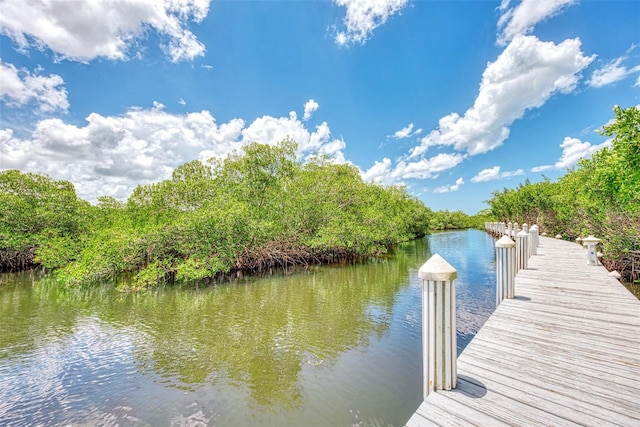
(323, 346)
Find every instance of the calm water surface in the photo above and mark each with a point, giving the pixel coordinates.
(328, 346)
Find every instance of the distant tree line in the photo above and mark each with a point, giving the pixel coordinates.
(599, 196)
(256, 210)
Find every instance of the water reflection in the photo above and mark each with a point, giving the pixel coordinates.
(472, 254)
(323, 346)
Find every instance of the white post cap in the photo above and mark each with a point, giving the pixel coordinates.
(505, 242)
(437, 269)
(590, 239)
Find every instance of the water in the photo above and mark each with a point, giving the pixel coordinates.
(327, 346)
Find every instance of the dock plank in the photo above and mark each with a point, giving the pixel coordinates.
(565, 351)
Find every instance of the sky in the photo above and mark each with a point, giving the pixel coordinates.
(452, 99)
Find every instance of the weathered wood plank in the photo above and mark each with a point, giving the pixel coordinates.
(613, 370)
(550, 398)
(587, 338)
(506, 409)
(591, 386)
(565, 351)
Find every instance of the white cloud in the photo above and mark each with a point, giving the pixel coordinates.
(504, 5)
(542, 168)
(611, 73)
(110, 155)
(573, 150)
(309, 108)
(270, 130)
(450, 188)
(427, 168)
(406, 132)
(21, 87)
(364, 16)
(525, 75)
(383, 173)
(181, 101)
(494, 173)
(521, 19)
(86, 30)
(378, 172)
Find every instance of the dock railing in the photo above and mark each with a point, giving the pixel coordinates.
(514, 247)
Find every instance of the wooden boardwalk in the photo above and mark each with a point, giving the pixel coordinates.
(564, 351)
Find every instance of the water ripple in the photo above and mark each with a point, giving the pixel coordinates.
(49, 386)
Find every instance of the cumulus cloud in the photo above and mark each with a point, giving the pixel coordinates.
(427, 168)
(573, 150)
(521, 19)
(110, 155)
(494, 173)
(612, 72)
(450, 188)
(542, 168)
(378, 171)
(83, 31)
(309, 108)
(364, 16)
(406, 132)
(20, 87)
(525, 75)
(383, 172)
(270, 130)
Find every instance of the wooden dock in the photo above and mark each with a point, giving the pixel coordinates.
(565, 351)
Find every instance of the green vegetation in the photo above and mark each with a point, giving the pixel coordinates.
(600, 196)
(255, 210)
(38, 213)
(260, 209)
(457, 220)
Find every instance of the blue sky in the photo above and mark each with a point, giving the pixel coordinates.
(454, 99)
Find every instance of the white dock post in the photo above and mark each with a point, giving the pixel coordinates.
(439, 344)
(522, 250)
(592, 255)
(505, 268)
(534, 240)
